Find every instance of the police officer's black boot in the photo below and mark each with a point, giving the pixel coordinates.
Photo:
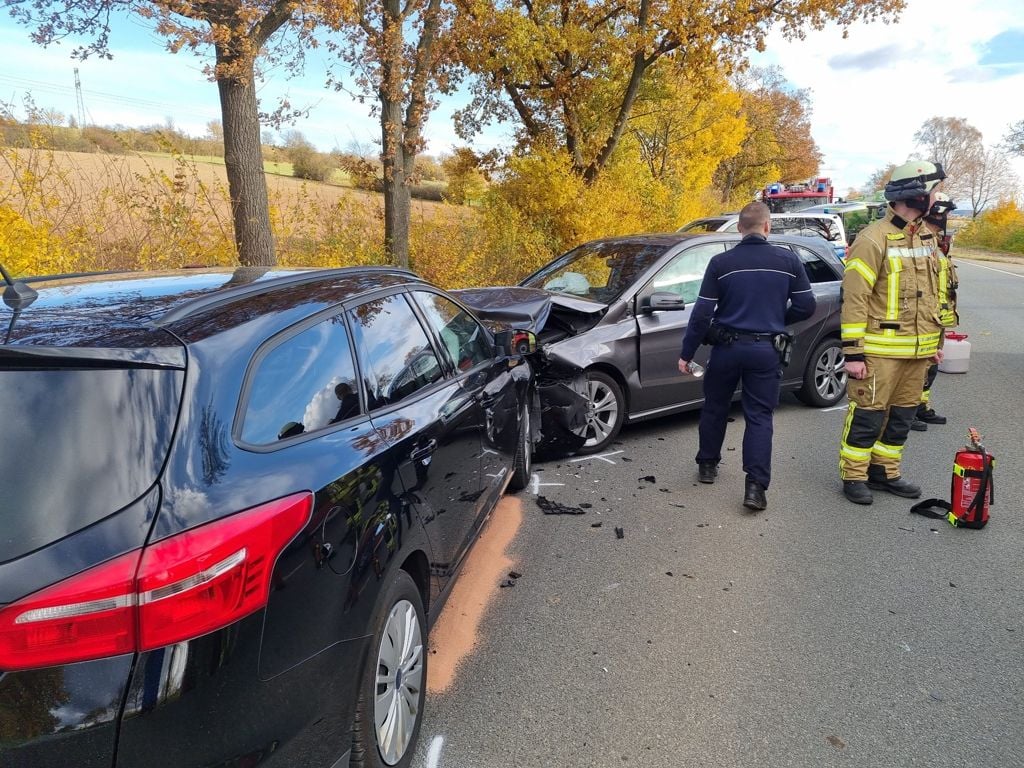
(897, 485)
(857, 491)
(753, 495)
(707, 471)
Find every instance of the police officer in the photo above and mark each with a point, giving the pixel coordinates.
(750, 293)
(948, 318)
(890, 333)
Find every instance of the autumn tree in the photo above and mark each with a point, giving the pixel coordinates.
(1014, 139)
(570, 74)
(954, 143)
(986, 177)
(238, 32)
(877, 181)
(400, 53)
(685, 126)
(778, 145)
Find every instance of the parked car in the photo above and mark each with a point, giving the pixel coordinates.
(618, 308)
(233, 502)
(826, 225)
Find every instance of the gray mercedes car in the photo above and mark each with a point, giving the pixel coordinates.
(617, 308)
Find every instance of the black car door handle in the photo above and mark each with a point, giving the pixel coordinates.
(424, 451)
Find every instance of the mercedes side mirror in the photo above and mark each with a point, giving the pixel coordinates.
(661, 301)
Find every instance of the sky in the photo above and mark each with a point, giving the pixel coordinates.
(870, 91)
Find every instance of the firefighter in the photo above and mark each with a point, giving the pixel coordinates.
(890, 334)
(948, 318)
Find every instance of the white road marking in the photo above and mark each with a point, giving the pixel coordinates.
(601, 456)
(434, 753)
(991, 269)
(535, 484)
(834, 408)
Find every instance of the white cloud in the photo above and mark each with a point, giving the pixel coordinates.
(873, 90)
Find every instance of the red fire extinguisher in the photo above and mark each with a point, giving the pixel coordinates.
(971, 489)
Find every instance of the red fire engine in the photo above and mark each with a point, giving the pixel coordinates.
(786, 198)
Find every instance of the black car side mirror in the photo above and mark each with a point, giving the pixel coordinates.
(512, 342)
(661, 301)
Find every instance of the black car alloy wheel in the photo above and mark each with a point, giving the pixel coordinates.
(521, 466)
(390, 706)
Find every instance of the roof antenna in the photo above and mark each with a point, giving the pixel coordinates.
(17, 295)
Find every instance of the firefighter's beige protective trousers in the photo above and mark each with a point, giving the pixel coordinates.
(882, 407)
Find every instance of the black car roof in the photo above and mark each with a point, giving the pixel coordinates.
(129, 309)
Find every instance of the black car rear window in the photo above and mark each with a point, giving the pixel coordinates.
(77, 445)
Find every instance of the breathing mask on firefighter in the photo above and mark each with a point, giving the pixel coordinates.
(912, 183)
(939, 211)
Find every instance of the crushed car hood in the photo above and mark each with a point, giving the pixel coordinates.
(524, 308)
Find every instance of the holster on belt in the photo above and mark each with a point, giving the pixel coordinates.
(783, 343)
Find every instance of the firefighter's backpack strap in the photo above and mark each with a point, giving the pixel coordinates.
(930, 508)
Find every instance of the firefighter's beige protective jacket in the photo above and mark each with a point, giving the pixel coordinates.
(891, 291)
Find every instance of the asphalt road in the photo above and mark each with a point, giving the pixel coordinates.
(816, 633)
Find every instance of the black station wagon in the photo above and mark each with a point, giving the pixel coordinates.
(232, 501)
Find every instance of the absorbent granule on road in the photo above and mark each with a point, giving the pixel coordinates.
(549, 507)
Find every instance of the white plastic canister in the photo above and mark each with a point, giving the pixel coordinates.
(957, 353)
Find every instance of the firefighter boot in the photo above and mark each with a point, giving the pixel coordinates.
(897, 485)
(707, 471)
(857, 491)
(928, 415)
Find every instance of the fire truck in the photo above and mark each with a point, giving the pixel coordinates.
(786, 198)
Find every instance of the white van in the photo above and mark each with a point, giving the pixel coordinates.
(828, 226)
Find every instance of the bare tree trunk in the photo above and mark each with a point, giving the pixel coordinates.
(243, 159)
(396, 184)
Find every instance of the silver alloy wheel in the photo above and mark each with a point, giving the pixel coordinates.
(830, 374)
(396, 705)
(602, 414)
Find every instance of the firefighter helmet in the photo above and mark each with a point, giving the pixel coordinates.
(940, 208)
(912, 183)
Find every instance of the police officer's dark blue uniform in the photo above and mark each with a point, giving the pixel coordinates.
(754, 289)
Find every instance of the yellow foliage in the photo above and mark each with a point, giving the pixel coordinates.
(27, 249)
(1000, 228)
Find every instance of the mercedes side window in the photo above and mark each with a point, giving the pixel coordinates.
(818, 270)
(462, 336)
(396, 354)
(684, 274)
(305, 383)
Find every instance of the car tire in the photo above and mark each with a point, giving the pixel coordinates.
(607, 411)
(824, 376)
(521, 465)
(399, 643)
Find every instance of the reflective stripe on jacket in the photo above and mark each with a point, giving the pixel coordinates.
(891, 291)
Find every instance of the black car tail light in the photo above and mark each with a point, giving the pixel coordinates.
(176, 589)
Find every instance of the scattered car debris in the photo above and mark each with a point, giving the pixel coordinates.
(835, 741)
(626, 458)
(515, 575)
(586, 505)
(648, 479)
(679, 506)
(619, 533)
(668, 573)
(549, 507)
(937, 696)
(596, 525)
(507, 583)
(952, 585)
(665, 490)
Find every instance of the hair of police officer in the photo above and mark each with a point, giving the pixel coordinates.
(753, 217)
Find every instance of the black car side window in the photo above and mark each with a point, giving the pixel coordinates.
(462, 336)
(304, 383)
(684, 274)
(818, 271)
(396, 355)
